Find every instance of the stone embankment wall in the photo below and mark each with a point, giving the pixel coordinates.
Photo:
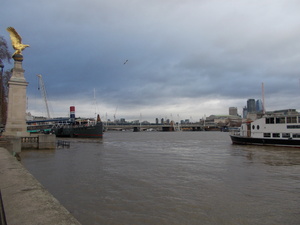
(25, 200)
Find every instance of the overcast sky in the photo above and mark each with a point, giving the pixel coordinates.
(186, 59)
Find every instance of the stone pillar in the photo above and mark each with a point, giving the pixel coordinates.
(16, 112)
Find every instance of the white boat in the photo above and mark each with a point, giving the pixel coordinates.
(276, 130)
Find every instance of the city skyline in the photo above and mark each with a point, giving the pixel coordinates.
(232, 111)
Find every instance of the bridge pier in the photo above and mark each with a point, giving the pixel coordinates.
(136, 129)
(167, 128)
(196, 128)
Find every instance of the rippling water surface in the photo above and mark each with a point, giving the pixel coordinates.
(171, 178)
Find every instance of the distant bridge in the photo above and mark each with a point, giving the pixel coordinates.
(158, 127)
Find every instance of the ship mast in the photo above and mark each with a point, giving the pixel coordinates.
(263, 97)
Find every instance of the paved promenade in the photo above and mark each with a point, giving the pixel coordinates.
(25, 200)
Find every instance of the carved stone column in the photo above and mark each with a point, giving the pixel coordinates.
(16, 112)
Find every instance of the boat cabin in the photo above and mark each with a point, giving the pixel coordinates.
(272, 127)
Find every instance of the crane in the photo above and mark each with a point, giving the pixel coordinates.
(42, 88)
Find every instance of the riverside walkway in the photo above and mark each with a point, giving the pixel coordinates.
(25, 200)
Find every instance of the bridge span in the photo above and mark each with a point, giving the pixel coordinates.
(157, 127)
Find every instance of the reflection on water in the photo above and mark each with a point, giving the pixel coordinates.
(274, 156)
(171, 178)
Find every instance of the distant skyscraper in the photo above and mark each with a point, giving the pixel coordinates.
(245, 112)
(251, 105)
(233, 111)
(259, 105)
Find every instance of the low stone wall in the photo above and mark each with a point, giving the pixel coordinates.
(25, 200)
(41, 141)
(30, 142)
(47, 141)
(11, 144)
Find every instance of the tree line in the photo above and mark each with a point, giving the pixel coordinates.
(5, 74)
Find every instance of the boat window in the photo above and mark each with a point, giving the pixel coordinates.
(280, 119)
(286, 135)
(291, 119)
(257, 127)
(253, 127)
(276, 135)
(293, 126)
(299, 119)
(296, 135)
(270, 120)
(267, 134)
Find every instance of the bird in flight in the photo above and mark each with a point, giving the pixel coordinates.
(16, 41)
(126, 61)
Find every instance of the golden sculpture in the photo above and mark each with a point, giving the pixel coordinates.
(16, 41)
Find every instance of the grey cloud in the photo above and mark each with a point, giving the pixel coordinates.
(191, 50)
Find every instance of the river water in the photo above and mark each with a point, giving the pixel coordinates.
(171, 178)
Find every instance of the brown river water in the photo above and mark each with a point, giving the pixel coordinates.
(171, 178)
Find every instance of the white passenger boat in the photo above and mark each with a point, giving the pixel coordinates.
(273, 130)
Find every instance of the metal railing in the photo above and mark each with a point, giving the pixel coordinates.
(62, 144)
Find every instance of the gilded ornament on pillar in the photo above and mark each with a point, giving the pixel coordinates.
(16, 42)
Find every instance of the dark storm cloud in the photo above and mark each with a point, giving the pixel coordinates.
(194, 55)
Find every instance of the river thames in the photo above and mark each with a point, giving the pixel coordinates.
(171, 178)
